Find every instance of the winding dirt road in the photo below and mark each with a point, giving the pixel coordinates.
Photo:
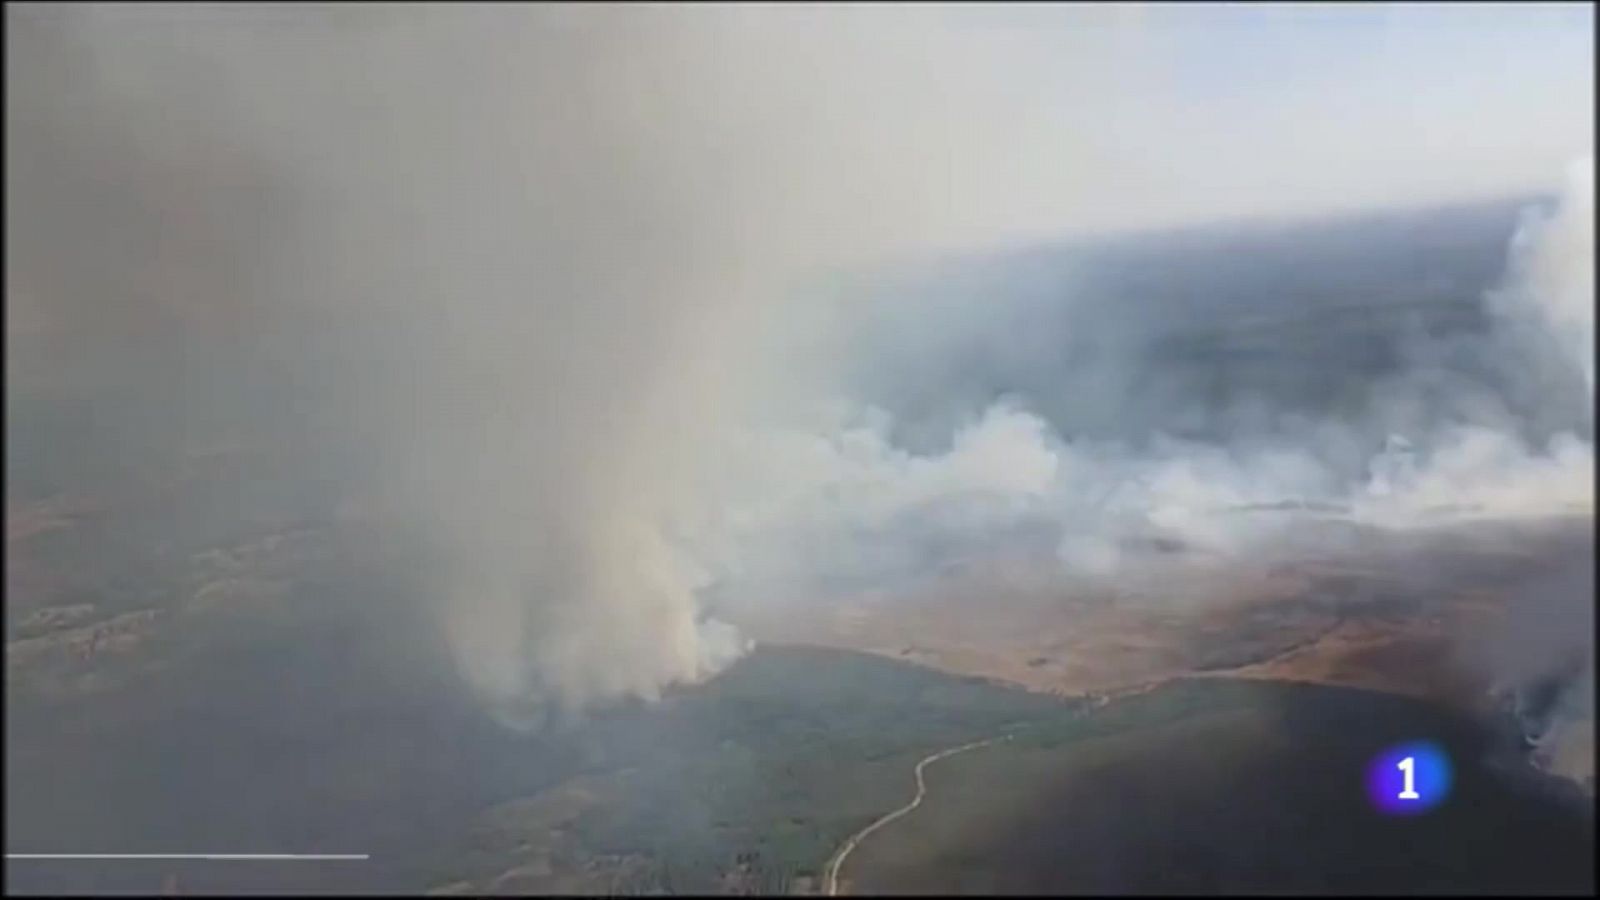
(1096, 701)
(832, 880)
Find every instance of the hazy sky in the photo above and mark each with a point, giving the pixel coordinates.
(1202, 109)
(981, 119)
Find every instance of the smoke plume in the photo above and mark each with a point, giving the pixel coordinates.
(575, 294)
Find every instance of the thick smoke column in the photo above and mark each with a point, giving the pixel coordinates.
(492, 271)
(455, 242)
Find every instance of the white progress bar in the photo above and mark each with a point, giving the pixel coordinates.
(266, 857)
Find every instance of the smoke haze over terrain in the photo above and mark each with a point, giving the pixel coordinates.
(532, 283)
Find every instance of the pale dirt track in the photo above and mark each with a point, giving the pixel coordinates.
(832, 881)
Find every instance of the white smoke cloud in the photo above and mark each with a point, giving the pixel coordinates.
(1553, 270)
(850, 503)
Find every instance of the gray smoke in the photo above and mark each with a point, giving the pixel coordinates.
(550, 288)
